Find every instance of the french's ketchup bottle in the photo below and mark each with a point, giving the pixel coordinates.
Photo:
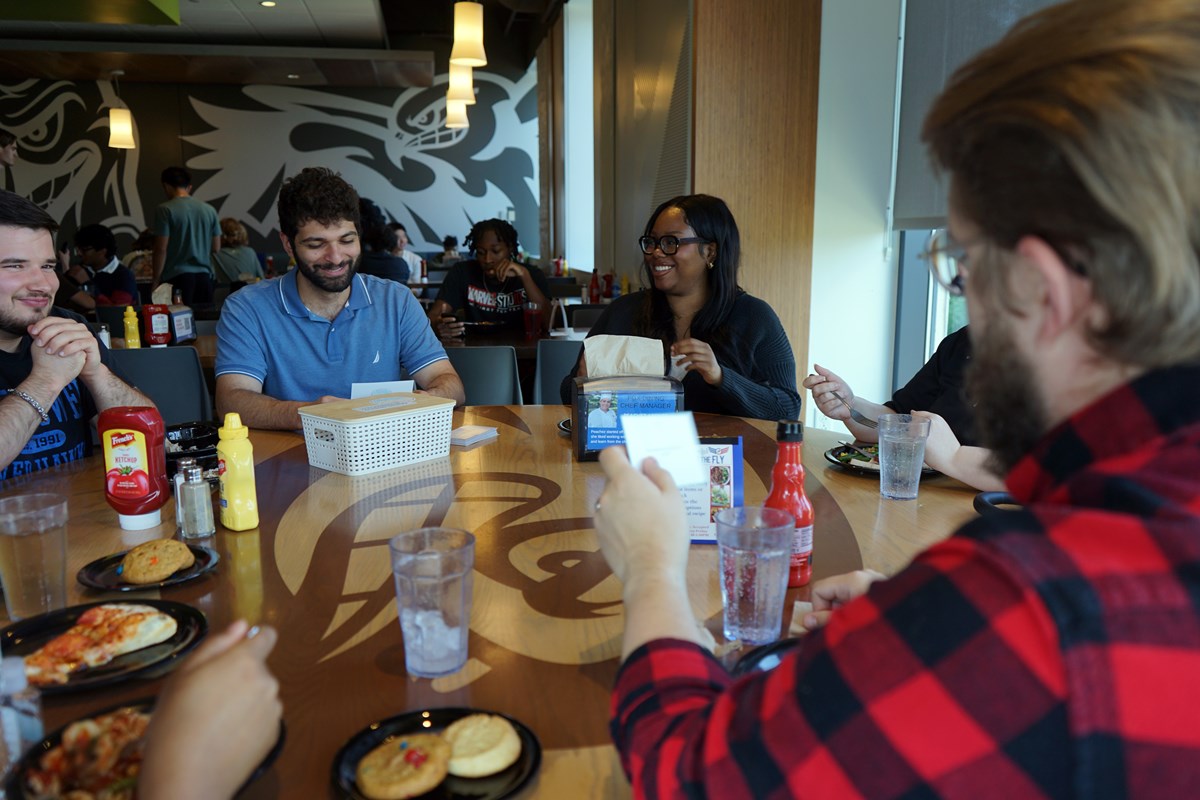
(135, 481)
(787, 494)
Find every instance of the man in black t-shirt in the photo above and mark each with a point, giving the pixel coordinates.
(54, 373)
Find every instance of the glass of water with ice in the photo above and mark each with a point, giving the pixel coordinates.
(755, 544)
(433, 570)
(901, 454)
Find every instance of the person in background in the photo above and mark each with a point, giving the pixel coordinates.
(379, 243)
(236, 262)
(74, 291)
(1048, 651)
(215, 719)
(140, 258)
(307, 337)
(936, 393)
(449, 254)
(55, 375)
(401, 248)
(186, 234)
(491, 287)
(735, 351)
(8, 149)
(109, 282)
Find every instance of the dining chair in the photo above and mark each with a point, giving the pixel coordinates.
(555, 358)
(584, 315)
(489, 374)
(206, 327)
(172, 378)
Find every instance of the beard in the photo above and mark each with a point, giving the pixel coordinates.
(1010, 414)
(15, 324)
(334, 285)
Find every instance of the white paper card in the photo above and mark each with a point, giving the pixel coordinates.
(358, 390)
(671, 439)
(470, 434)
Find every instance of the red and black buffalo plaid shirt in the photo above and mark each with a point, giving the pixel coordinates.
(1047, 652)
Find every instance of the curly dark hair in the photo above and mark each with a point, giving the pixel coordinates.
(97, 237)
(316, 193)
(712, 221)
(17, 212)
(503, 230)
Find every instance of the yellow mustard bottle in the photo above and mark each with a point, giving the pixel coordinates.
(133, 339)
(235, 467)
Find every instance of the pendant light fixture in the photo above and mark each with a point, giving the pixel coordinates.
(120, 119)
(456, 114)
(468, 35)
(462, 84)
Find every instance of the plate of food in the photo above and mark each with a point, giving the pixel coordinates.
(564, 426)
(461, 752)
(97, 644)
(862, 458)
(153, 565)
(98, 756)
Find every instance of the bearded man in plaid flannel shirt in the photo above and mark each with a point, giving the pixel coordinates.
(1048, 652)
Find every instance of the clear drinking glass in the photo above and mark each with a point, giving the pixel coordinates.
(33, 553)
(755, 545)
(433, 569)
(901, 454)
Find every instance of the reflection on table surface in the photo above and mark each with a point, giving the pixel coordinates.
(547, 616)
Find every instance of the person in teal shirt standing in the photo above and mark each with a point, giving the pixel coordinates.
(186, 234)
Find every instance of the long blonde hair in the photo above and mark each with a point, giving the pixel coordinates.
(1082, 127)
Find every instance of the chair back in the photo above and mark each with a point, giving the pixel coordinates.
(555, 358)
(206, 327)
(172, 378)
(584, 315)
(489, 374)
(114, 318)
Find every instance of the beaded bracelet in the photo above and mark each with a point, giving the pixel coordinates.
(36, 405)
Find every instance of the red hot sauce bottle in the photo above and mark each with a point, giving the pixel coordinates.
(787, 494)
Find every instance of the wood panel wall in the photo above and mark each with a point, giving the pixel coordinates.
(755, 141)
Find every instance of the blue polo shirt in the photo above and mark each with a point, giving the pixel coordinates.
(266, 332)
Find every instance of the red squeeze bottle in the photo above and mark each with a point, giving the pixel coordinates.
(594, 287)
(135, 481)
(787, 494)
(157, 324)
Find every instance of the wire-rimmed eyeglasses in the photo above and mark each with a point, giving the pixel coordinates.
(946, 259)
(668, 244)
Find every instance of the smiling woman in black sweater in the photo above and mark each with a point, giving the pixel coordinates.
(736, 352)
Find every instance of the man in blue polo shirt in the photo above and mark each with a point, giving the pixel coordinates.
(306, 337)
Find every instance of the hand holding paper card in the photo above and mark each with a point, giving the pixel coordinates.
(671, 439)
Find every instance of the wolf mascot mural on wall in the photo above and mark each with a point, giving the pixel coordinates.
(395, 149)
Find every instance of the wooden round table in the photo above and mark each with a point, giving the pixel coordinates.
(547, 616)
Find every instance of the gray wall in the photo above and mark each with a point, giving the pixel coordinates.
(241, 142)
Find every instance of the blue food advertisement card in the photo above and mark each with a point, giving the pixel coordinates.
(723, 458)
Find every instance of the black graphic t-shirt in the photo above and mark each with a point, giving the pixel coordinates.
(483, 299)
(67, 435)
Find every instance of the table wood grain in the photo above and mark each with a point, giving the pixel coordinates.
(547, 616)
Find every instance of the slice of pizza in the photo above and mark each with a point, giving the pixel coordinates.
(99, 635)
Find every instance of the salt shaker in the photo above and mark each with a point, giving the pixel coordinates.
(180, 477)
(104, 335)
(195, 497)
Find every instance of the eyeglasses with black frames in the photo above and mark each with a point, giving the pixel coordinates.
(669, 245)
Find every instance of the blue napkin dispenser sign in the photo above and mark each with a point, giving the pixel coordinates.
(598, 404)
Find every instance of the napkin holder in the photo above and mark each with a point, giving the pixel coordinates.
(611, 397)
